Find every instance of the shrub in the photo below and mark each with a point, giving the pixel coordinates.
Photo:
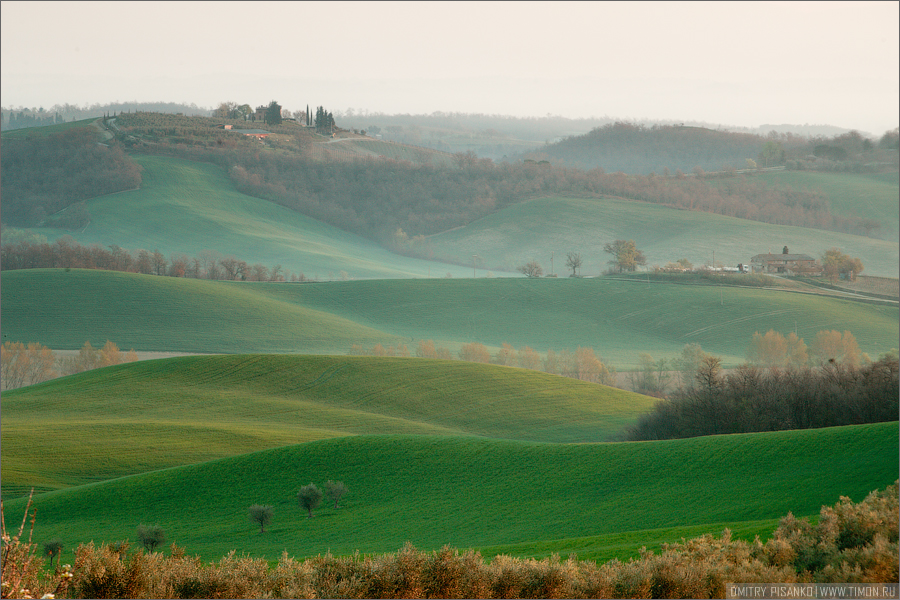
(852, 543)
(309, 497)
(150, 536)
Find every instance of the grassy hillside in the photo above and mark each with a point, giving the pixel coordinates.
(191, 207)
(868, 196)
(63, 309)
(534, 229)
(618, 319)
(162, 413)
(46, 130)
(470, 492)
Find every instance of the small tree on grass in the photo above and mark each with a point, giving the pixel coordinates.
(309, 497)
(262, 515)
(335, 490)
(53, 549)
(150, 536)
(573, 261)
(532, 269)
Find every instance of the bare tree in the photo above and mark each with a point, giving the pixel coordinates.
(573, 261)
(532, 269)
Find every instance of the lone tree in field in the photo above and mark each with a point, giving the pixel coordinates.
(573, 261)
(150, 536)
(262, 515)
(335, 490)
(532, 269)
(309, 497)
(626, 256)
(53, 549)
(835, 263)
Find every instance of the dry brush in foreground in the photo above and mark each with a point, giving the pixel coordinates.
(852, 543)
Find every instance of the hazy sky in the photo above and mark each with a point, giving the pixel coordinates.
(732, 63)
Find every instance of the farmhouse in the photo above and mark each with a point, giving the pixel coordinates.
(785, 263)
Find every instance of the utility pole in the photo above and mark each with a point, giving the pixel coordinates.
(551, 262)
(474, 256)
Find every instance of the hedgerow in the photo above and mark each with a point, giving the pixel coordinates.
(851, 543)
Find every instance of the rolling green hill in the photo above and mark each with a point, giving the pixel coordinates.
(534, 229)
(163, 413)
(618, 319)
(67, 308)
(868, 196)
(470, 492)
(190, 207)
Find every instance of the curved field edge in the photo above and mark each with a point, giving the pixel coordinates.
(618, 319)
(187, 207)
(168, 412)
(625, 545)
(469, 492)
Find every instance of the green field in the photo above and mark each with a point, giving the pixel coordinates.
(537, 229)
(470, 492)
(46, 130)
(618, 319)
(189, 207)
(866, 196)
(433, 452)
(163, 413)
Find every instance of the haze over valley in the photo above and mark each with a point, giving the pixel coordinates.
(436, 300)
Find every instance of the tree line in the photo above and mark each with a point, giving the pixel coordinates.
(31, 363)
(639, 148)
(582, 364)
(37, 116)
(65, 253)
(771, 350)
(751, 399)
(374, 197)
(44, 175)
(849, 542)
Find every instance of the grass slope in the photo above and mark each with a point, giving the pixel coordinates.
(46, 130)
(63, 309)
(618, 319)
(189, 207)
(162, 413)
(534, 229)
(470, 492)
(867, 196)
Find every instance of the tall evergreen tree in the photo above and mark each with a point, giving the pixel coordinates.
(273, 113)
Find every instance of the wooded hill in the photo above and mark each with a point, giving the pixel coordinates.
(392, 200)
(641, 149)
(375, 198)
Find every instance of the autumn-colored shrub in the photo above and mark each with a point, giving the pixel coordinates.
(851, 543)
